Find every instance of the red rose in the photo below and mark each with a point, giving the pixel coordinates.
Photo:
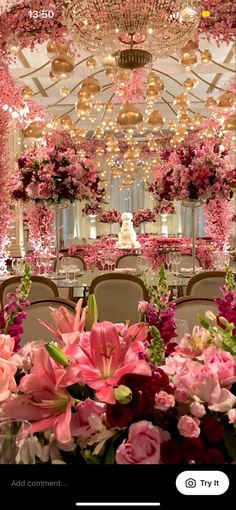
(214, 456)
(118, 415)
(213, 430)
(192, 449)
(170, 452)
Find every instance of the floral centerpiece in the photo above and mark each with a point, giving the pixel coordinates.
(91, 209)
(129, 395)
(200, 169)
(110, 216)
(164, 207)
(143, 216)
(54, 175)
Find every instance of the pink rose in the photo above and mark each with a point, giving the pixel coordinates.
(44, 190)
(197, 409)
(143, 306)
(6, 346)
(164, 401)
(232, 416)
(7, 380)
(142, 445)
(222, 363)
(188, 426)
(80, 425)
(181, 395)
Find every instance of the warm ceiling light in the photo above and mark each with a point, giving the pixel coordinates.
(54, 48)
(190, 48)
(210, 103)
(109, 107)
(129, 116)
(226, 100)
(27, 92)
(156, 119)
(92, 85)
(84, 95)
(34, 131)
(230, 124)
(189, 83)
(188, 61)
(62, 66)
(91, 63)
(182, 100)
(197, 119)
(206, 57)
(66, 122)
(64, 91)
(82, 108)
(171, 125)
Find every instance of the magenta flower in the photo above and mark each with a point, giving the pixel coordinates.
(109, 358)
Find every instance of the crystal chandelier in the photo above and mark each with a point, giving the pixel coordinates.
(134, 31)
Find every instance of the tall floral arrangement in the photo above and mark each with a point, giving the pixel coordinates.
(55, 174)
(118, 394)
(198, 169)
(218, 224)
(110, 216)
(41, 224)
(6, 213)
(143, 216)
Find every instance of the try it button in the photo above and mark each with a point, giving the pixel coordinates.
(202, 483)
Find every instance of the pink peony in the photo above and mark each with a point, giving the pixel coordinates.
(7, 381)
(197, 409)
(222, 363)
(164, 401)
(188, 426)
(232, 416)
(6, 346)
(142, 445)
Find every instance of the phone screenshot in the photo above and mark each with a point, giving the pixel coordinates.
(118, 253)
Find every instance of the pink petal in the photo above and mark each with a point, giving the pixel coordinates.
(105, 343)
(136, 332)
(62, 426)
(225, 402)
(106, 394)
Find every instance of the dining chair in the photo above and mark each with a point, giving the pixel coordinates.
(207, 284)
(189, 308)
(41, 288)
(32, 329)
(125, 261)
(118, 296)
(187, 261)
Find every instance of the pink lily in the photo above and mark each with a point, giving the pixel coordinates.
(45, 400)
(68, 328)
(108, 358)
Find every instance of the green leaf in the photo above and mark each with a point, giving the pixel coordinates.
(203, 322)
(110, 455)
(92, 313)
(230, 443)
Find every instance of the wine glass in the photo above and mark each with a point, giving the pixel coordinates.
(169, 260)
(16, 442)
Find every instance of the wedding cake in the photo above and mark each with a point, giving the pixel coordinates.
(127, 236)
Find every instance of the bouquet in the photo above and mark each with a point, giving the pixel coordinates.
(164, 207)
(55, 174)
(91, 209)
(129, 394)
(197, 170)
(110, 216)
(143, 216)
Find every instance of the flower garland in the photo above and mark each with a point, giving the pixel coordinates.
(143, 216)
(218, 222)
(41, 223)
(6, 213)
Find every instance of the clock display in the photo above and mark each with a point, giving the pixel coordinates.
(41, 14)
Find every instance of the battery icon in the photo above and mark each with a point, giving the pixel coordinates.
(206, 14)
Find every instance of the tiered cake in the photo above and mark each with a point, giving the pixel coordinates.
(127, 236)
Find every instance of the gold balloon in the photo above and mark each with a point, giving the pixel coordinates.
(226, 100)
(190, 48)
(206, 57)
(27, 92)
(91, 63)
(34, 131)
(152, 91)
(210, 103)
(189, 83)
(84, 95)
(54, 48)
(230, 124)
(156, 119)
(129, 115)
(82, 108)
(92, 85)
(182, 100)
(109, 107)
(197, 119)
(64, 91)
(62, 66)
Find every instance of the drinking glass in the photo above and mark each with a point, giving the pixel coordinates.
(182, 328)
(169, 260)
(16, 442)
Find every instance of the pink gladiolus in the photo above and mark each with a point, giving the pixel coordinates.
(109, 358)
(45, 400)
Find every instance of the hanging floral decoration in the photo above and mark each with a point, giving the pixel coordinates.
(218, 222)
(41, 223)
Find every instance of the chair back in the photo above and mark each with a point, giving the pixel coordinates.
(117, 297)
(187, 261)
(127, 261)
(207, 284)
(41, 288)
(32, 329)
(189, 309)
(75, 260)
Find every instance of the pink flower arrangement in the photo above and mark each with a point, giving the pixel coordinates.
(164, 207)
(196, 170)
(143, 216)
(91, 209)
(55, 174)
(110, 216)
(218, 222)
(41, 223)
(116, 393)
